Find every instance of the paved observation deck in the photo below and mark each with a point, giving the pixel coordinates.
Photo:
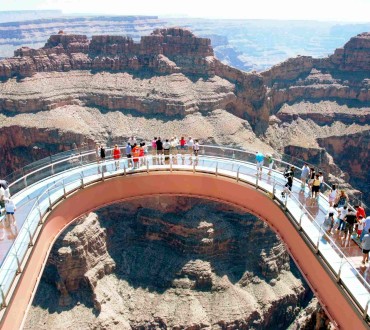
(53, 192)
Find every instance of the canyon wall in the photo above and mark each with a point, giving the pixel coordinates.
(173, 76)
(169, 262)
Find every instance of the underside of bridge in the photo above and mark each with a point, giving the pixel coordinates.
(206, 186)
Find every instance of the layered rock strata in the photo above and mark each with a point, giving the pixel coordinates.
(179, 263)
(173, 76)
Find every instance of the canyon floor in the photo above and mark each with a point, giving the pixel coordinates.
(169, 263)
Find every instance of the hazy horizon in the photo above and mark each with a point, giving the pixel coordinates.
(315, 10)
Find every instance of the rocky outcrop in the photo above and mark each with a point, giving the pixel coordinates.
(173, 52)
(24, 145)
(81, 256)
(355, 55)
(342, 76)
(324, 113)
(177, 51)
(164, 51)
(173, 261)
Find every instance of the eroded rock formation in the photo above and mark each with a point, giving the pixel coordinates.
(179, 263)
(173, 76)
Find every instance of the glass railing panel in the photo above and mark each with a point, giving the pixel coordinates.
(7, 275)
(38, 176)
(36, 165)
(210, 157)
(355, 284)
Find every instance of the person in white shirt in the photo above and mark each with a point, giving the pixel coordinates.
(190, 144)
(333, 195)
(342, 212)
(5, 186)
(10, 209)
(305, 172)
(2, 198)
(321, 179)
(366, 224)
(132, 140)
(175, 145)
(329, 219)
(166, 148)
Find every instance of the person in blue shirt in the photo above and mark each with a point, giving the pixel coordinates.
(259, 162)
(128, 153)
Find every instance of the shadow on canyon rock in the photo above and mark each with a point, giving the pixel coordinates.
(172, 248)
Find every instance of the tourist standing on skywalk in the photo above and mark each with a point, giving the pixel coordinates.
(196, 148)
(333, 195)
(102, 153)
(259, 162)
(116, 156)
(10, 209)
(270, 161)
(366, 228)
(5, 185)
(304, 176)
(365, 246)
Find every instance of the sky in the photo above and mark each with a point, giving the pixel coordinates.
(323, 10)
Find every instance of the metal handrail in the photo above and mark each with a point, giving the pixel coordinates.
(169, 166)
(91, 152)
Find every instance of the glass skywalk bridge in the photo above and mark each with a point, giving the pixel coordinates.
(39, 187)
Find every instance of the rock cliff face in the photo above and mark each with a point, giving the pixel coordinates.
(179, 263)
(110, 87)
(342, 76)
(165, 52)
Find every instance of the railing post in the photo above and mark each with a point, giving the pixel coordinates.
(147, 166)
(52, 168)
(300, 220)
(318, 240)
(102, 173)
(38, 207)
(30, 237)
(25, 180)
(216, 172)
(49, 199)
(2, 297)
(19, 270)
(364, 315)
(340, 269)
(257, 181)
(82, 180)
(237, 175)
(124, 170)
(64, 190)
(194, 167)
(171, 163)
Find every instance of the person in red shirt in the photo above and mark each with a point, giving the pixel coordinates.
(136, 155)
(360, 211)
(142, 153)
(182, 145)
(116, 156)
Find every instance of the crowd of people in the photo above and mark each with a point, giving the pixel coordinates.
(136, 151)
(340, 218)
